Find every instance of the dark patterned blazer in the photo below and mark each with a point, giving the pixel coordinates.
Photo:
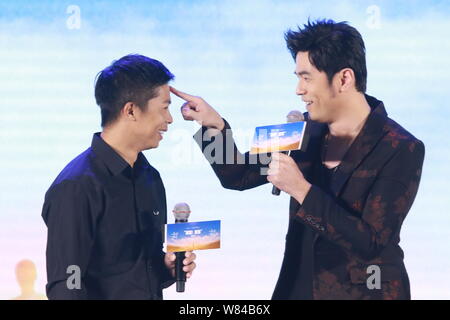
(358, 224)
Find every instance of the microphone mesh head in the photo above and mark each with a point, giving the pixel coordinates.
(181, 211)
(295, 116)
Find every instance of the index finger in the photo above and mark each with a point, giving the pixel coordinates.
(181, 94)
(170, 256)
(275, 155)
(190, 255)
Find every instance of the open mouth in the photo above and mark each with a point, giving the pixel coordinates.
(308, 104)
(161, 132)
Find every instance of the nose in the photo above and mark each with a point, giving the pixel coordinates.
(169, 119)
(300, 90)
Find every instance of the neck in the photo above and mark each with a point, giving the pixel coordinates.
(352, 118)
(116, 139)
(27, 290)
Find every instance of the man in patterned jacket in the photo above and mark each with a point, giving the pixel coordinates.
(351, 188)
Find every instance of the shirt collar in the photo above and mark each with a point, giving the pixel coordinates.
(113, 161)
(376, 105)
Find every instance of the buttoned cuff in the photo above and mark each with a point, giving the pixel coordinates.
(312, 206)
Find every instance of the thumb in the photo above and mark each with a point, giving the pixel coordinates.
(170, 257)
(189, 111)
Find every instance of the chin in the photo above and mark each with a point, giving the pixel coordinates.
(315, 117)
(312, 116)
(152, 146)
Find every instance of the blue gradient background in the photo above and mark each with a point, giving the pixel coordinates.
(232, 53)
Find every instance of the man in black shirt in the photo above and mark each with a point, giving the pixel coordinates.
(106, 210)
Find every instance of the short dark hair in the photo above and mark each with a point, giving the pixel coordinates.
(331, 47)
(132, 78)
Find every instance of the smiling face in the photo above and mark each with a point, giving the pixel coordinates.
(153, 120)
(318, 94)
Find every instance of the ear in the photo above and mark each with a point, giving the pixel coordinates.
(128, 111)
(346, 80)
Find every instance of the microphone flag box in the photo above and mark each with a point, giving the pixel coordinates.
(188, 236)
(279, 137)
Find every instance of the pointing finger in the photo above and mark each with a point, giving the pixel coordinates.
(182, 95)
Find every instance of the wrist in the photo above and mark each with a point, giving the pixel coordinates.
(219, 124)
(301, 192)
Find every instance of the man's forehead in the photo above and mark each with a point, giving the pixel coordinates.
(162, 95)
(163, 92)
(302, 64)
(302, 58)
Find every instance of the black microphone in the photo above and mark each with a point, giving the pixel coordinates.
(293, 116)
(181, 211)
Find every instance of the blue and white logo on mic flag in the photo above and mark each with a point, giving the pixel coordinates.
(279, 137)
(193, 236)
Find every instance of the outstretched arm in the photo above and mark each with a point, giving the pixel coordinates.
(235, 170)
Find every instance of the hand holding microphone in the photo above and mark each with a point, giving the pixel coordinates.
(284, 173)
(181, 264)
(293, 116)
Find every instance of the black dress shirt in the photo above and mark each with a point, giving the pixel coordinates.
(106, 218)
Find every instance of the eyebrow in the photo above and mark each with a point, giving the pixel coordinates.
(301, 73)
(168, 101)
